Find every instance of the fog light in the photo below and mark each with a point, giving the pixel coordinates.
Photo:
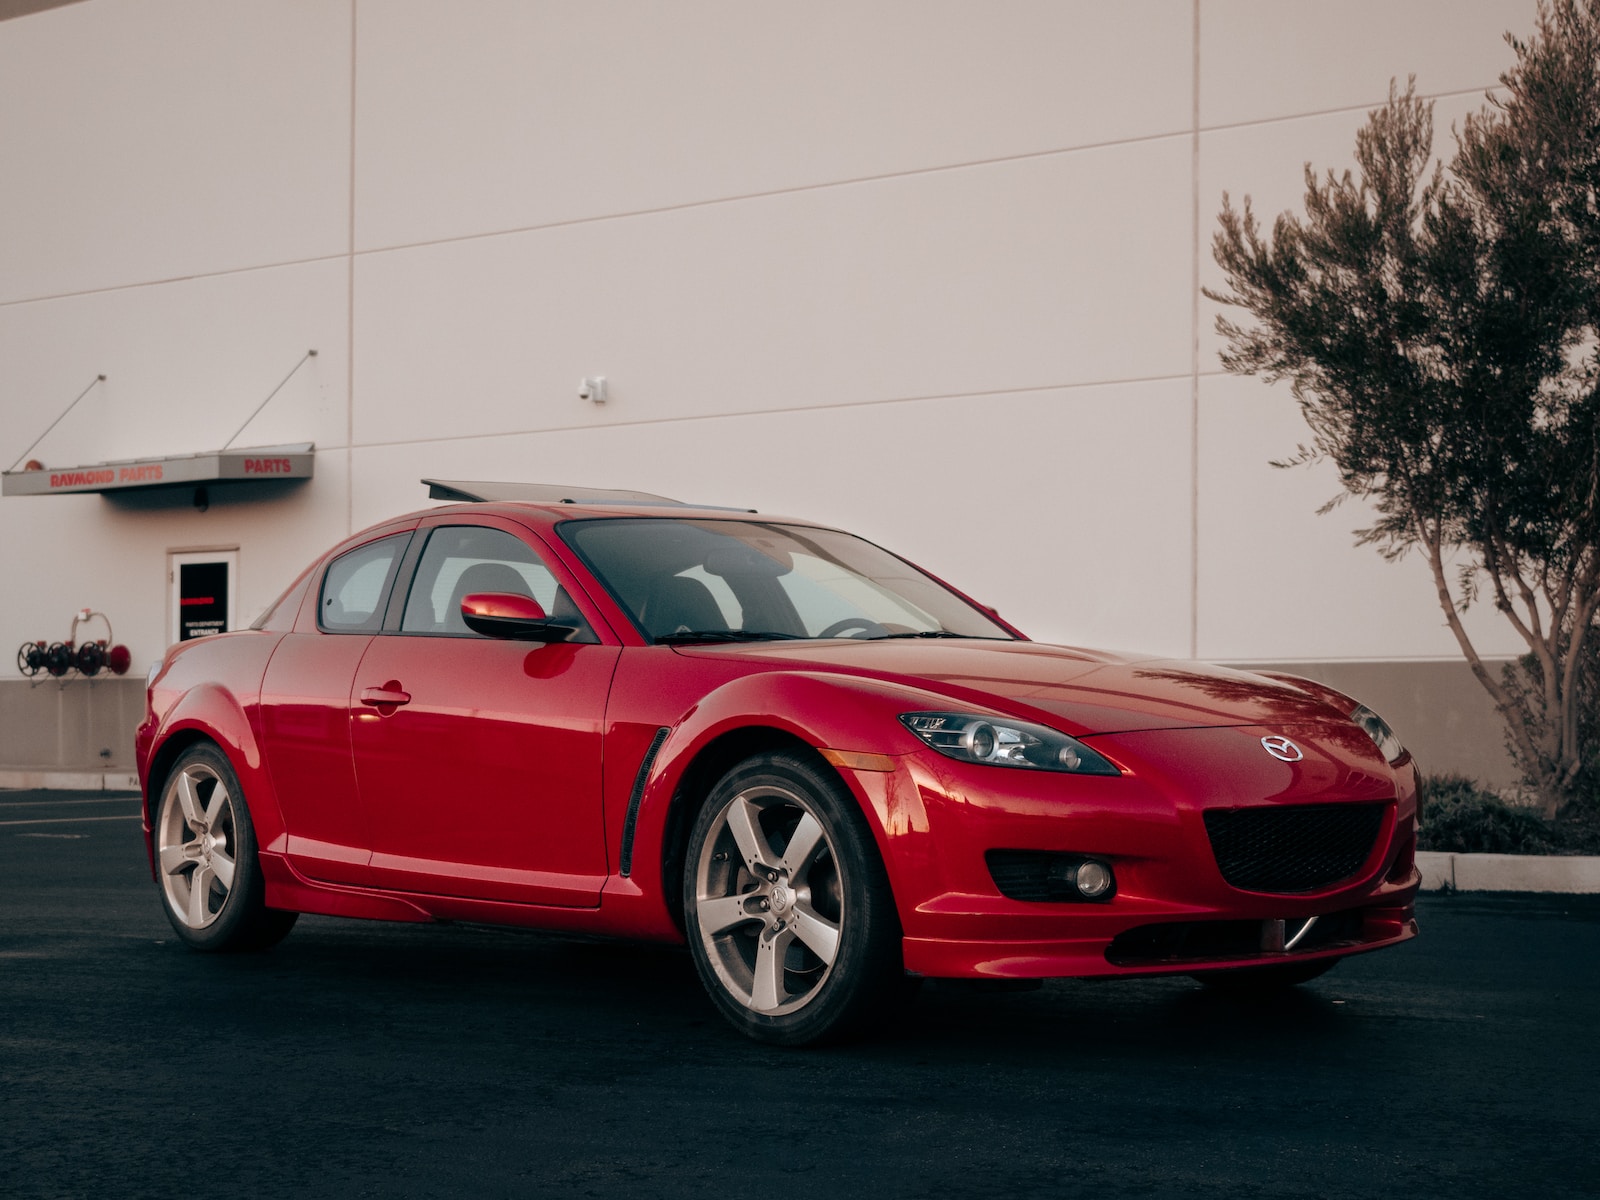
(1093, 879)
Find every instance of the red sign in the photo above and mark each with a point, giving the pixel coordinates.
(73, 479)
(139, 473)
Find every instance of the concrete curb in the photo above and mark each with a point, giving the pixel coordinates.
(1507, 872)
(50, 779)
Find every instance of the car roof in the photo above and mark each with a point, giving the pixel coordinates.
(562, 493)
(552, 493)
(552, 503)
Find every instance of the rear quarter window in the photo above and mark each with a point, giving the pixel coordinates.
(355, 584)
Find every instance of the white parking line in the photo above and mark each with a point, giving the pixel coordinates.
(63, 803)
(73, 820)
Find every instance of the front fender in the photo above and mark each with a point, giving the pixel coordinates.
(849, 722)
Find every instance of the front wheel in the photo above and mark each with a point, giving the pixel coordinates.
(206, 859)
(788, 910)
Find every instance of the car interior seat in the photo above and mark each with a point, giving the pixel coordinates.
(678, 605)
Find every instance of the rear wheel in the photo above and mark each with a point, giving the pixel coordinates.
(788, 910)
(206, 859)
(1246, 981)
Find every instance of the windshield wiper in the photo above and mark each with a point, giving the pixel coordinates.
(925, 633)
(692, 636)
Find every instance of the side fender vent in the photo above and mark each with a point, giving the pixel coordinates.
(625, 861)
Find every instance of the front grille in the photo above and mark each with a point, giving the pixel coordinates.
(1292, 848)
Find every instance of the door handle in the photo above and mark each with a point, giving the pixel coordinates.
(390, 693)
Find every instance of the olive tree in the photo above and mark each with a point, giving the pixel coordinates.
(1439, 325)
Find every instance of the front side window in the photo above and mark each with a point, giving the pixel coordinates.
(460, 560)
(355, 584)
(713, 580)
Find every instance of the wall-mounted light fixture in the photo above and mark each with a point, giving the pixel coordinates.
(593, 389)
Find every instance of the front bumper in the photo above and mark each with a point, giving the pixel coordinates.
(1172, 911)
(1114, 946)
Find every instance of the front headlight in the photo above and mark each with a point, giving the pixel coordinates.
(1378, 730)
(1002, 742)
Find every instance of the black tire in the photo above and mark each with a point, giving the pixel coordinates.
(206, 859)
(1261, 981)
(787, 907)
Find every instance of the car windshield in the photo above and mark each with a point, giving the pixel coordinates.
(733, 580)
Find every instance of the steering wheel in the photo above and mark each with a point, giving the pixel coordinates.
(867, 626)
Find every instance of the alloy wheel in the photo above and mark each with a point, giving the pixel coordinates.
(769, 899)
(197, 844)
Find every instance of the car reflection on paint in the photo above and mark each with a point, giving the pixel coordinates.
(823, 769)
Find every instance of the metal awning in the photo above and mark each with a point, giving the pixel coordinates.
(218, 466)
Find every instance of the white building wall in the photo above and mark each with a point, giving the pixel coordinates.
(160, 140)
(503, 115)
(928, 270)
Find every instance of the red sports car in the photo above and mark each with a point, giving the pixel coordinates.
(824, 769)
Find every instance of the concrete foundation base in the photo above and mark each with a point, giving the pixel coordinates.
(85, 726)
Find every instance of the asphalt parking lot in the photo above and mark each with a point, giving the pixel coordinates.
(360, 1059)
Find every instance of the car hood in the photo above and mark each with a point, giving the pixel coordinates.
(1081, 692)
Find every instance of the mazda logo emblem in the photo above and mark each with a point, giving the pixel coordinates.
(1282, 748)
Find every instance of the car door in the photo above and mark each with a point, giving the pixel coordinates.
(305, 711)
(478, 759)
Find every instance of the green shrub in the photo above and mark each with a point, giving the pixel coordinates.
(1579, 822)
(1460, 816)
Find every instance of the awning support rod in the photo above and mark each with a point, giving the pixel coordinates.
(309, 354)
(57, 421)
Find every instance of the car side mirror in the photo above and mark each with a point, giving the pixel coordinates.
(508, 615)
